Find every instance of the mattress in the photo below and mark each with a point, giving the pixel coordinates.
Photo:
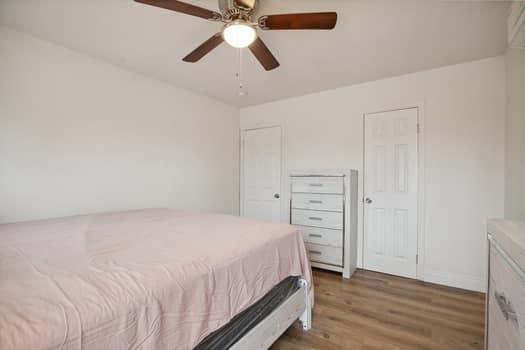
(241, 324)
(147, 279)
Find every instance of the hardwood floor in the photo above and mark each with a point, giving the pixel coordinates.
(377, 311)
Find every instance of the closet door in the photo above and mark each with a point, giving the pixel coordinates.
(391, 192)
(261, 174)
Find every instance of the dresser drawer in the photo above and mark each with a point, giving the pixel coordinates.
(330, 202)
(506, 325)
(326, 219)
(323, 236)
(310, 184)
(324, 254)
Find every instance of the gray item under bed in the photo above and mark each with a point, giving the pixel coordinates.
(229, 334)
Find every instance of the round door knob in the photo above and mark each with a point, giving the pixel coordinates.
(368, 201)
(277, 195)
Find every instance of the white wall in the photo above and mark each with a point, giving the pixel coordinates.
(78, 135)
(515, 135)
(463, 110)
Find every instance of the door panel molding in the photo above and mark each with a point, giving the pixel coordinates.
(401, 186)
(242, 194)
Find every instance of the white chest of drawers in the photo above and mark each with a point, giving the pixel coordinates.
(323, 206)
(505, 326)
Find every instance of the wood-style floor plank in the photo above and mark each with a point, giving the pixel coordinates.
(378, 311)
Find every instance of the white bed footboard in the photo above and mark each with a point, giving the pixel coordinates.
(306, 316)
(262, 336)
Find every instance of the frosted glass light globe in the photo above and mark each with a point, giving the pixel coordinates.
(239, 34)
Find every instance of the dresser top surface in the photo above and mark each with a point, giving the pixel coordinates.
(510, 235)
(323, 173)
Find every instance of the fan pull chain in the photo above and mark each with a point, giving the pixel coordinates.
(241, 91)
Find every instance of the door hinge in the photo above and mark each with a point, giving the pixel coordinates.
(417, 259)
(418, 128)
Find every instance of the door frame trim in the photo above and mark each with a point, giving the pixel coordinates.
(242, 129)
(421, 217)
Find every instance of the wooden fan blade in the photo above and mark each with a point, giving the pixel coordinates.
(183, 7)
(263, 54)
(204, 49)
(319, 20)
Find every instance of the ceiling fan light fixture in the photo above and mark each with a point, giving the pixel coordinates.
(239, 34)
(240, 28)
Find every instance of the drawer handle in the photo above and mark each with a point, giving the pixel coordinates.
(315, 235)
(316, 202)
(316, 185)
(316, 252)
(502, 301)
(506, 307)
(315, 218)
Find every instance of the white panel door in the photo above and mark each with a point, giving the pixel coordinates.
(391, 192)
(262, 174)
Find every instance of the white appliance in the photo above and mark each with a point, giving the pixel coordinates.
(323, 205)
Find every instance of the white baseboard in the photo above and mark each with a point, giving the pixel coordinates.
(475, 283)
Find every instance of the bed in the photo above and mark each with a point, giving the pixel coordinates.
(147, 279)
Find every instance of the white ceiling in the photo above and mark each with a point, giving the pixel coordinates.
(373, 39)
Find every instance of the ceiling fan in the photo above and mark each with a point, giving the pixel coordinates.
(239, 29)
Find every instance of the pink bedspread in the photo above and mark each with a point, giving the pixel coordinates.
(148, 279)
